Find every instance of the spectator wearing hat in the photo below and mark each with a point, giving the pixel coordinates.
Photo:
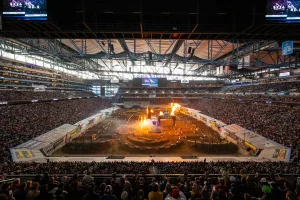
(155, 194)
(108, 194)
(267, 193)
(174, 195)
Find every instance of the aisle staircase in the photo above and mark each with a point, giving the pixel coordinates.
(153, 169)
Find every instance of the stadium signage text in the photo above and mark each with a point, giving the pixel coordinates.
(149, 76)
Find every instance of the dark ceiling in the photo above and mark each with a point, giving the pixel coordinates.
(155, 19)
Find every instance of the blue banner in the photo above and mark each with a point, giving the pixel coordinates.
(287, 48)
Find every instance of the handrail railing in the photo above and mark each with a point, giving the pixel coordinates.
(147, 175)
(7, 180)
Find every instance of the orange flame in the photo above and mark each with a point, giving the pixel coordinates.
(161, 113)
(174, 107)
(152, 111)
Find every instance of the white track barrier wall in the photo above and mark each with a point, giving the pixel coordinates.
(270, 150)
(55, 139)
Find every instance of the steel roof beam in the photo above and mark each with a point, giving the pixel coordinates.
(126, 49)
(174, 51)
(242, 51)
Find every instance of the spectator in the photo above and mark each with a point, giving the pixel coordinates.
(196, 192)
(108, 194)
(167, 191)
(20, 193)
(124, 195)
(266, 193)
(127, 188)
(44, 193)
(59, 193)
(87, 179)
(140, 195)
(155, 194)
(34, 192)
(291, 195)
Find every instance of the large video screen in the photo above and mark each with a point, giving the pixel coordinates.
(152, 82)
(163, 82)
(25, 9)
(283, 11)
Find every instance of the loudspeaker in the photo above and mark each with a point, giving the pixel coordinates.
(150, 55)
(192, 53)
(189, 49)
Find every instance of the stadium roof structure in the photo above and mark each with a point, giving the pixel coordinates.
(122, 39)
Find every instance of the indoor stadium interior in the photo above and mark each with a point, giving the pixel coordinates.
(149, 100)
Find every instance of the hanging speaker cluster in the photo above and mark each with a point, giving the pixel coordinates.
(191, 51)
(150, 55)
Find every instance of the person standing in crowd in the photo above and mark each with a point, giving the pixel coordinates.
(34, 192)
(155, 194)
(140, 195)
(196, 192)
(107, 196)
(15, 185)
(20, 193)
(87, 179)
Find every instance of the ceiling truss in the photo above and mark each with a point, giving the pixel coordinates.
(165, 58)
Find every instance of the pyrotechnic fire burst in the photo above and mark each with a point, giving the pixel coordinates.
(174, 107)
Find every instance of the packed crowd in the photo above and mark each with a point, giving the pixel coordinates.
(241, 186)
(35, 119)
(256, 97)
(12, 95)
(250, 167)
(20, 123)
(280, 123)
(271, 87)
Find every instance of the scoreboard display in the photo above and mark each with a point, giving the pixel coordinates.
(283, 11)
(25, 10)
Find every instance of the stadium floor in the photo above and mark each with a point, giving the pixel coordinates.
(120, 135)
(156, 159)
